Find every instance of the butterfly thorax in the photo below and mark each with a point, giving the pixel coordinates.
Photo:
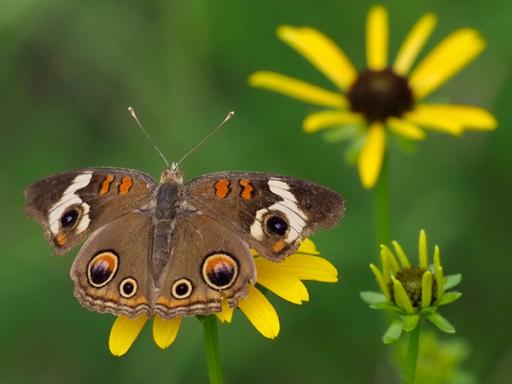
(172, 175)
(167, 195)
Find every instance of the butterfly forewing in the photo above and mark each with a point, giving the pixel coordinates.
(272, 213)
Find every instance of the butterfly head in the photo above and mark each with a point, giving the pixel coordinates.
(172, 175)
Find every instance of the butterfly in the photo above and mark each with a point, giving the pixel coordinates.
(173, 248)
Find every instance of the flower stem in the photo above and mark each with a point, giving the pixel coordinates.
(412, 355)
(212, 350)
(382, 205)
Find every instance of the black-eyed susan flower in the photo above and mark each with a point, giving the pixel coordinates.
(412, 292)
(284, 279)
(381, 98)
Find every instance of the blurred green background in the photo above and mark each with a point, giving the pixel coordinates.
(68, 71)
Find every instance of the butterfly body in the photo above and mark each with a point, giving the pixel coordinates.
(172, 248)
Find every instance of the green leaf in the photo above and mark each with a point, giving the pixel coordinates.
(441, 323)
(393, 333)
(372, 297)
(410, 322)
(449, 297)
(451, 281)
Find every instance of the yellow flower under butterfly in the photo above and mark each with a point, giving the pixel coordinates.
(283, 279)
(382, 97)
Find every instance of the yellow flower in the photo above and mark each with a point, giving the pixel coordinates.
(284, 279)
(382, 97)
(413, 292)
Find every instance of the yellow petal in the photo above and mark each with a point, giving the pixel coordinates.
(297, 89)
(401, 255)
(372, 154)
(226, 315)
(445, 60)
(306, 267)
(377, 38)
(165, 331)
(393, 263)
(401, 298)
(326, 119)
(464, 116)
(124, 332)
(260, 313)
(380, 280)
(386, 268)
(320, 51)
(275, 278)
(405, 128)
(422, 249)
(308, 247)
(413, 43)
(426, 289)
(438, 272)
(430, 118)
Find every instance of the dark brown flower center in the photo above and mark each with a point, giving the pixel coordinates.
(411, 279)
(378, 95)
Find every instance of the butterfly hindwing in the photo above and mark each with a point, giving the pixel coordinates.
(207, 263)
(112, 270)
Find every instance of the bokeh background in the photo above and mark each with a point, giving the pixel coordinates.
(68, 71)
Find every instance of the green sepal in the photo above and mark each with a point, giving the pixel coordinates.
(441, 323)
(386, 307)
(410, 322)
(393, 333)
(337, 134)
(407, 146)
(449, 297)
(451, 281)
(428, 310)
(354, 149)
(371, 297)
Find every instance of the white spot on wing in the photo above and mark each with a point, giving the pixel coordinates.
(288, 206)
(256, 227)
(84, 220)
(282, 189)
(69, 198)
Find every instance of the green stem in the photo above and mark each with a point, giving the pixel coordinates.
(382, 205)
(212, 350)
(412, 355)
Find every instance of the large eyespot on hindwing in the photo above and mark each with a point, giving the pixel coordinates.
(102, 268)
(128, 287)
(181, 289)
(219, 270)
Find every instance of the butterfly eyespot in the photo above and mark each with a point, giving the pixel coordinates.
(128, 287)
(181, 289)
(220, 270)
(102, 268)
(276, 225)
(69, 219)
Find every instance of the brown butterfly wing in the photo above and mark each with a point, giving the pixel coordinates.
(112, 270)
(272, 213)
(207, 263)
(70, 206)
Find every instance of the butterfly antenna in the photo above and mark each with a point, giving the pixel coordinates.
(213, 132)
(132, 112)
